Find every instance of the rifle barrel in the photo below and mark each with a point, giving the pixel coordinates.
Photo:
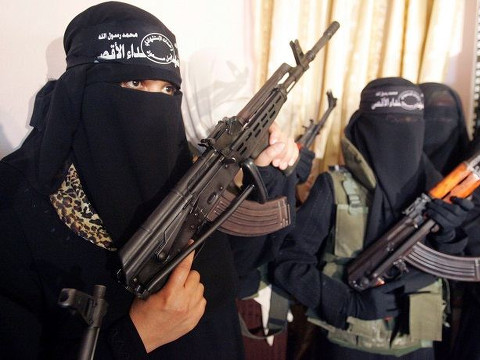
(304, 60)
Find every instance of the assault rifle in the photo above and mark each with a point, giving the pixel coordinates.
(161, 243)
(403, 242)
(313, 129)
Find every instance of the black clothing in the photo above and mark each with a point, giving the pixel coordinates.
(297, 272)
(129, 156)
(446, 136)
(466, 345)
(253, 255)
(387, 131)
(304, 166)
(129, 149)
(46, 153)
(123, 34)
(445, 144)
(40, 256)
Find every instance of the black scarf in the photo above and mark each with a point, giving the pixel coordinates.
(388, 130)
(446, 137)
(128, 146)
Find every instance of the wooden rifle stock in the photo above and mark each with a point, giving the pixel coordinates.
(402, 243)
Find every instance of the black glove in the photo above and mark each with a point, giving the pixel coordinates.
(376, 303)
(415, 279)
(448, 216)
(338, 301)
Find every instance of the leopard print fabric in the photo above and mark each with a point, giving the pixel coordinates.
(74, 209)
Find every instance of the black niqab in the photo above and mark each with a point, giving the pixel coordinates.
(128, 146)
(388, 130)
(446, 138)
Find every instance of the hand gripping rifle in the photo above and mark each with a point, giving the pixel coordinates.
(403, 243)
(161, 242)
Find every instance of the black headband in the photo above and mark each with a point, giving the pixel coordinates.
(392, 95)
(115, 32)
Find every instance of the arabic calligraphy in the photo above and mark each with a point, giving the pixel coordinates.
(126, 45)
(117, 51)
(408, 100)
(158, 48)
(118, 36)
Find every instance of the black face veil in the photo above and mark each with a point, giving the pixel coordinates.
(446, 136)
(388, 130)
(128, 146)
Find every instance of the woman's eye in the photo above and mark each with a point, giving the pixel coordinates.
(169, 90)
(158, 86)
(133, 84)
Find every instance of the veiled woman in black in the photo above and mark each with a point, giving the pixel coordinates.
(351, 206)
(108, 143)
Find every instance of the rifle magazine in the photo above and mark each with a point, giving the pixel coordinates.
(443, 265)
(252, 218)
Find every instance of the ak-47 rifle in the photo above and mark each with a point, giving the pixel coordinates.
(403, 244)
(313, 129)
(161, 243)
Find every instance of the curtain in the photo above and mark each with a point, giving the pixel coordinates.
(377, 38)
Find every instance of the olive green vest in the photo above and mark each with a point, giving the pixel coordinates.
(426, 306)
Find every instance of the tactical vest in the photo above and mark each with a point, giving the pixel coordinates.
(388, 337)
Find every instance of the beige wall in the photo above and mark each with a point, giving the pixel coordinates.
(31, 47)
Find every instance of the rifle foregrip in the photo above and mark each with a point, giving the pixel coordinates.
(466, 188)
(449, 182)
(461, 182)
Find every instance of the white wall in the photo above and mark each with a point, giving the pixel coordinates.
(31, 49)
